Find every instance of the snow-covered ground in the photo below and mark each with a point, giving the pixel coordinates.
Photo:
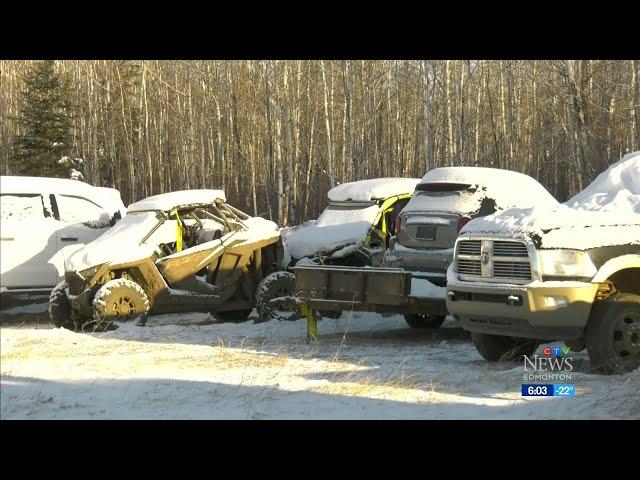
(364, 366)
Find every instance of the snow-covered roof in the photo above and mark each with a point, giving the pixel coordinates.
(473, 176)
(617, 188)
(107, 198)
(177, 199)
(373, 189)
(507, 188)
(607, 212)
(34, 185)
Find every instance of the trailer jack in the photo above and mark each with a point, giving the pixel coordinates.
(312, 323)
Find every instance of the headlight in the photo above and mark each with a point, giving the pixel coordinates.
(566, 263)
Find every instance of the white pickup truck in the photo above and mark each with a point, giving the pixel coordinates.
(39, 217)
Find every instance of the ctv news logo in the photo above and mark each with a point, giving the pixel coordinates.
(554, 363)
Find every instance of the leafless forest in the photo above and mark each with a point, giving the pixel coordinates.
(277, 134)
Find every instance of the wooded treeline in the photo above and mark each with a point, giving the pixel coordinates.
(276, 135)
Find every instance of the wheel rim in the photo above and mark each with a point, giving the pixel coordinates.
(122, 307)
(626, 335)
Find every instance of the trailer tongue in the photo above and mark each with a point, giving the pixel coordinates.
(383, 290)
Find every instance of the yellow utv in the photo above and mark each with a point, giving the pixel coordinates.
(180, 251)
(354, 230)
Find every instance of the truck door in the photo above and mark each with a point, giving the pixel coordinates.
(28, 243)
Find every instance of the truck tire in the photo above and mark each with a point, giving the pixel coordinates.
(278, 285)
(120, 300)
(424, 320)
(500, 348)
(60, 307)
(613, 334)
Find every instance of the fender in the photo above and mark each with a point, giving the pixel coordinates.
(616, 264)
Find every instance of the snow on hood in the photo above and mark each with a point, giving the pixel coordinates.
(122, 242)
(607, 212)
(334, 228)
(374, 189)
(507, 188)
(177, 199)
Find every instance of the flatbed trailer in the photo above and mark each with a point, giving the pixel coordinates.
(364, 289)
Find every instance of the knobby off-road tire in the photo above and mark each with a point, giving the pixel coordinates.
(60, 307)
(613, 334)
(278, 285)
(424, 320)
(119, 300)
(500, 348)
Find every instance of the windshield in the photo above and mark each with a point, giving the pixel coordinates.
(339, 214)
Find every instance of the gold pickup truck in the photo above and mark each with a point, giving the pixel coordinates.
(512, 293)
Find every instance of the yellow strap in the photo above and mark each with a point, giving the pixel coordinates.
(178, 233)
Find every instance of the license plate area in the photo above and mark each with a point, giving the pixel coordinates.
(426, 232)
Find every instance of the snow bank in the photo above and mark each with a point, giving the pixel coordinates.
(363, 366)
(333, 229)
(179, 198)
(374, 189)
(507, 188)
(607, 212)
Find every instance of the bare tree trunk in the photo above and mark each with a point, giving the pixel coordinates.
(328, 127)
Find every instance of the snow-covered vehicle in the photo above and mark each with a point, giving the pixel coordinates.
(444, 201)
(568, 273)
(40, 219)
(180, 251)
(354, 230)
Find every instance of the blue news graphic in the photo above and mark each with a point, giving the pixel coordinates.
(548, 390)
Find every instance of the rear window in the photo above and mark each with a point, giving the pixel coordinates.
(452, 200)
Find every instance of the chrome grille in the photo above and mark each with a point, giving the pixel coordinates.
(521, 271)
(509, 249)
(493, 261)
(469, 267)
(469, 247)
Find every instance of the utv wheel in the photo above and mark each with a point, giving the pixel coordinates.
(60, 307)
(119, 300)
(500, 348)
(233, 316)
(275, 298)
(613, 334)
(424, 320)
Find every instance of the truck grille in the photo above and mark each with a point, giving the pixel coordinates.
(469, 247)
(493, 261)
(510, 249)
(469, 267)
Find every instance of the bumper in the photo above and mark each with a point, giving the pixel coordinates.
(546, 310)
(429, 264)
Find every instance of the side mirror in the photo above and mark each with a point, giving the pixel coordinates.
(116, 216)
